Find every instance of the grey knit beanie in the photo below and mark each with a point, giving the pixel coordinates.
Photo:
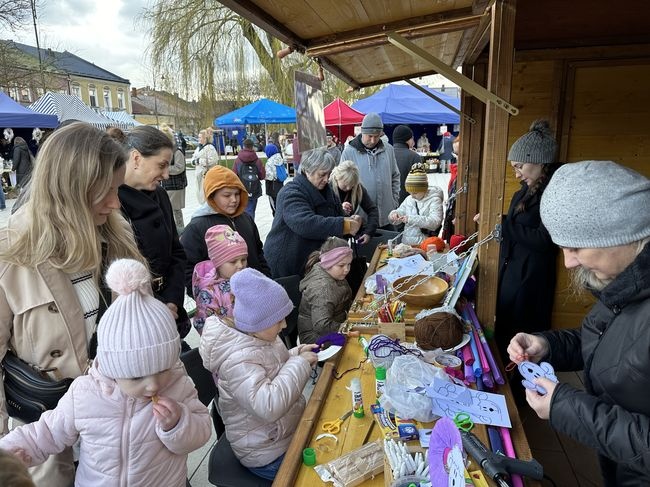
(594, 204)
(538, 146)
(372, 124)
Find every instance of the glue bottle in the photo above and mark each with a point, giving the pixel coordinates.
(364, 345)
(357, 398)
(380, 380)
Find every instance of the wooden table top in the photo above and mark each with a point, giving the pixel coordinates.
(331, 399)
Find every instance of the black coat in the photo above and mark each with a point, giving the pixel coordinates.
(304, 218)
(527, 263)
(405, 159)
(22, 163)
(193, 241)
(368, 206)
(612, 347)
(151, 217)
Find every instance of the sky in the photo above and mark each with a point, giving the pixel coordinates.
(110, 34)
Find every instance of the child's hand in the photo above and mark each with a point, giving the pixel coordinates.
(394, 217)
(167, 412)
(23, 456)
(404, 218)
(305, 351)
(174, 309)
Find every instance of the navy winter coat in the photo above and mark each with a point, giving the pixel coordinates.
(304, 218)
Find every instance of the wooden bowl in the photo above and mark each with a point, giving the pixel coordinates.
(425, 294)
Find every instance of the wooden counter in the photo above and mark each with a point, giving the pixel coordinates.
(331, 399)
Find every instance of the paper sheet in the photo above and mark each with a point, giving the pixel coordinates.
(448, 399)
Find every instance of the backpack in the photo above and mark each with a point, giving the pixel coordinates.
(250, 177)
(281, 173)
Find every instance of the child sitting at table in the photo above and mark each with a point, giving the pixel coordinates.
(260, 381)
(421, 211)
(326, 295)
(228, 254)
(136, 389)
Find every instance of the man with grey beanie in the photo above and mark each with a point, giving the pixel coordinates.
(598, 212)
(377, 166)
(527, 255)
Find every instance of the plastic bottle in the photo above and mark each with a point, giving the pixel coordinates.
(364, 345)
(380, 380)
(357, 398)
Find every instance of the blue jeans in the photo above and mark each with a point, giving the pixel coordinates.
(3, 204)
(269, 471)
(251, 206)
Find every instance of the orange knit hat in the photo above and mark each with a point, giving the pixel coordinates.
(221, 177)
(437, 241)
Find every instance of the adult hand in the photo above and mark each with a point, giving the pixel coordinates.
(541, 404)
(347, 207)
(174, 309)
(477, 218)
(363, 239)
(524, 346)
(167, 411)
(355, 223)
(23, 456)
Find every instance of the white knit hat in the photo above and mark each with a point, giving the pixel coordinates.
(137, 334)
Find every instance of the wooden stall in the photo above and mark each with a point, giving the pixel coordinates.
(331, 399)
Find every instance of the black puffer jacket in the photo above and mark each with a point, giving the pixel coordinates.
(613, 415)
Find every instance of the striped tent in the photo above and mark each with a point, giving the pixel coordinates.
(122, 119)
(68, 107)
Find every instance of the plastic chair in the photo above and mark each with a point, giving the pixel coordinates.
(224, 469)
(290, 285)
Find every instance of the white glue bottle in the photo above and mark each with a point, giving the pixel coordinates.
(357, 398)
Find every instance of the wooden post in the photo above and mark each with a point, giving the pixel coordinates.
(471, 140)
(494, 162)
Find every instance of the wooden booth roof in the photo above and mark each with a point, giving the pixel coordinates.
(348, 36)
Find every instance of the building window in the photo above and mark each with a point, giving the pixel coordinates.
(25, 95)
(14, 93)
(76, 90)
(92, 95)
(120, 99)
(107, 97)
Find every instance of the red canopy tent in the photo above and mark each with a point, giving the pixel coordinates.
(340, 118)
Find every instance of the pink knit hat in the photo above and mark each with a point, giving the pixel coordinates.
(137, 334)
(224, 244)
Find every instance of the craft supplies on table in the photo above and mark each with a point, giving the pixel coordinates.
(334, 427)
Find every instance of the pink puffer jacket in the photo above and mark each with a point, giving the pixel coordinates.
(260, 390)
(121, 445)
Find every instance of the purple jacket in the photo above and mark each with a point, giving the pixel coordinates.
(211, 293)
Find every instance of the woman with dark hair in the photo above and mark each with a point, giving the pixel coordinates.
(527, 257)
(146, 206)
(22, 161)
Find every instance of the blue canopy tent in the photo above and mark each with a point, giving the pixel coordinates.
(14, 115)
(397, 104)
(261, 112)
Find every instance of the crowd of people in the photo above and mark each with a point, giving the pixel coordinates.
(96, 261)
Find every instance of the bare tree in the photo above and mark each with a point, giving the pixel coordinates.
(220, 54)
(14, 14)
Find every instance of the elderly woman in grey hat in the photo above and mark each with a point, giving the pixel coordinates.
(598, 212)
(527, 256)
(306, 214)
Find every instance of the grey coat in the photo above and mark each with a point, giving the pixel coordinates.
(379, 174)
(324, 304)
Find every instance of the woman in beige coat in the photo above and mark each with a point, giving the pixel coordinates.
(52, 259)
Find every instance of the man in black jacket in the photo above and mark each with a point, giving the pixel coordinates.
(403, 142)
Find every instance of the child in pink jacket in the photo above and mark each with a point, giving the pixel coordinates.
(260, 381)
(136, 412)
(228, 254)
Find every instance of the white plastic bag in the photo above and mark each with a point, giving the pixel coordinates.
(405, 382)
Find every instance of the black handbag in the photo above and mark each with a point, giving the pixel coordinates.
(29, 391)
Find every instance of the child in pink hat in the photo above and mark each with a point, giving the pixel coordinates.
(228, 254)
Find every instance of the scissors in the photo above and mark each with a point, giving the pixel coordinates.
(463, 422)
(334, 427)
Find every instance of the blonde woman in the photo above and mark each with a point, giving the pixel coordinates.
(53, 253)
(354, 198)
(205, 158)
